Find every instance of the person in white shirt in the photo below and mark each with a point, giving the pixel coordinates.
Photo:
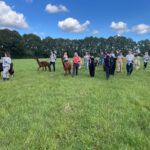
(146, 58)
(112, 54)
(52, 61)
(6, 66)
(86, 60)
(130, 61)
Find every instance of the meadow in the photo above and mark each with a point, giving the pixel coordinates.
(47, 111)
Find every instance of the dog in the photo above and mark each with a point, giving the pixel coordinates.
(11, 71)
(137, 63)
(92, 67)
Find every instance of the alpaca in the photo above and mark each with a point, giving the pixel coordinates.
(43, 64)
(137, 63)
(67, 66)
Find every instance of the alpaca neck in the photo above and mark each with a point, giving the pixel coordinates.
(38, 61)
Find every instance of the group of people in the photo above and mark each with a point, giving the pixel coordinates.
(108, 60)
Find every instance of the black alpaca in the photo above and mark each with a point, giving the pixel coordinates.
(92, 67)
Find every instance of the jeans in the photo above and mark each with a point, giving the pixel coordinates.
(5, 72)
(107, 69)
(101, 61)
(87, 65)
(129, 68)
(145, 65)
(51, 63)
(75, 68)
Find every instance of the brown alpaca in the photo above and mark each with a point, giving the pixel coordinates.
(67, 66)
(43, 64)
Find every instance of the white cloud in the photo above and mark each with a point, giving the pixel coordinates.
(9, 18)
(55, 9)
(72, 25)
(120, 27)
(95, 32)
(42, 34)
(141, 29)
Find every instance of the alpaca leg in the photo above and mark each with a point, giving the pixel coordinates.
(69, 71)
(65, 72)
(38, 68)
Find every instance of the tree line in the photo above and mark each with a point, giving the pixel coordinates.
(31, 45)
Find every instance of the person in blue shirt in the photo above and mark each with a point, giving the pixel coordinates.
(101, 60)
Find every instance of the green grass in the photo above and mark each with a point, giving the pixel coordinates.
(47, 111)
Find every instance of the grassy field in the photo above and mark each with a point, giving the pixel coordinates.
(47, 111)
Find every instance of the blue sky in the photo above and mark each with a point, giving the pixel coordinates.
(76, 19)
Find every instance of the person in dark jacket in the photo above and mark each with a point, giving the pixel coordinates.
(92, 67)
(113, 65)
(107, 64)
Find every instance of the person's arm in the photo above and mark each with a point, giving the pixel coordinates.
(143, 58)
(9, 61)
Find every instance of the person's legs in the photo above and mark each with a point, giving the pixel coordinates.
(131, 68)
(54, 66)
(86, 65)
(77, 66)
(102, 61)
(5, 73)
(128, 69)
(118, 66)
(121, 67)
(74, 67)
(145, 65)
(50, 66)
(107, 72)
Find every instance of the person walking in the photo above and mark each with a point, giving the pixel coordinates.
(6, 66)
(101, 60)
(52, 61)
(130, 61)
(86, 60)
(107, 62)
(146, 58)
(76, 60)
(120, 62)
